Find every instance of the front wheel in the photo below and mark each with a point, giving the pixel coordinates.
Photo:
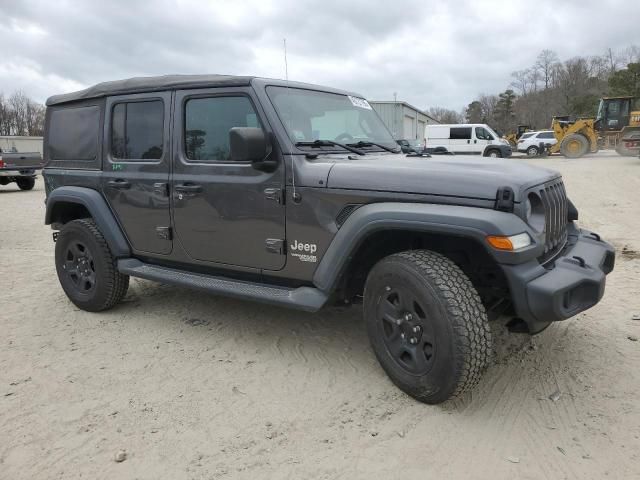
(494, 154)
(427, 325)
(532, 151)
(86, 268)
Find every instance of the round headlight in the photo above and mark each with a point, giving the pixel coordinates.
(535, 212)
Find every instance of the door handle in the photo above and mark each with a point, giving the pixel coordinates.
(468, 141)
(188, 188)
(121, 184)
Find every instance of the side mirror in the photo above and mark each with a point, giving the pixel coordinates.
(248, 144)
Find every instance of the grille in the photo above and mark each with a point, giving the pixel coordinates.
(556, 208)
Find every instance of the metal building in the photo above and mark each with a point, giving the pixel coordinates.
(14, 143)
(403, 120)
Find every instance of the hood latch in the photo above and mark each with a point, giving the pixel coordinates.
(505, 199)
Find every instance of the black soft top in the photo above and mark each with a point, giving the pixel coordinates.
(150, 84)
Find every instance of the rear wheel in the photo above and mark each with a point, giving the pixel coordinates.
(86, 268)
(574, 145)
(427, 325)
(532, 151)
(25, 183)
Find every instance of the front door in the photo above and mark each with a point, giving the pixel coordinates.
(135, 180)
(482, 139)
(224, 212)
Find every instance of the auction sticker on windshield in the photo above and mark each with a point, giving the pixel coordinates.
(359, 102)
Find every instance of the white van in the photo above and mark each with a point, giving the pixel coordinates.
(468, 139)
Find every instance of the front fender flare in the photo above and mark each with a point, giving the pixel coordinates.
(469, 222)
(95, 203)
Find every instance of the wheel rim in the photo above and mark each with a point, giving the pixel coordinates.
(574, 146)
(493, 154)
(406, 331)
(79, 267)
(532, 151)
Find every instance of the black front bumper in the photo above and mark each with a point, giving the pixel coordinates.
(573, 282)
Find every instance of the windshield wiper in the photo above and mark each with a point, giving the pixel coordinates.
(362, 143)
(329, 143)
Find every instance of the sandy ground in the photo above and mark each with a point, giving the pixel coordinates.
(199, 387)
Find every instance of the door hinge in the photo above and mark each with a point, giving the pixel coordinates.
(274, 194)
(161, 189)
(275, 245)
(164, 233)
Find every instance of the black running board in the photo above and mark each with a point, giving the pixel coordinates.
(308, 299)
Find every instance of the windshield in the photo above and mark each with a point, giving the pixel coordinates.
(311, 115)
(492, 132)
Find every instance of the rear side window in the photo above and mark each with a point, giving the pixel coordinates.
(136, 130)
(207, 125)
(460, 133)
(546, 135)
(73, 133)
(526, 135)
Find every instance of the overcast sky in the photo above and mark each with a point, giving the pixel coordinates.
(432, 53)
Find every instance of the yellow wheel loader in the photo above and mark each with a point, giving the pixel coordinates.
(617, 126)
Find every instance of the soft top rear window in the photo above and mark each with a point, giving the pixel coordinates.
(73, 133)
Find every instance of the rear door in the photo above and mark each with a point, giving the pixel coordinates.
(135, 179)
(225, 212)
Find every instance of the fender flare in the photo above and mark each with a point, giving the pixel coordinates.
(94, 202)
(469, 222)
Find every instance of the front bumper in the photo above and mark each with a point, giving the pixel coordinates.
(573, 282)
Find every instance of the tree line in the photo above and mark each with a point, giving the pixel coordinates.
(551, 87)
(20, 115)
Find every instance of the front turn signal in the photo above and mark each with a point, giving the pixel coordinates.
(511, 243)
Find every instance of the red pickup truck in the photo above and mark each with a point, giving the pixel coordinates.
(20, 168)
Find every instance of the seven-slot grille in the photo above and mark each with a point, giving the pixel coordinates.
(556, 206)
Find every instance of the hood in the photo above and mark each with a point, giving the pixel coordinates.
(446, 175)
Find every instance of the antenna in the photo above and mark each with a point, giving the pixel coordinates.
(294, 195)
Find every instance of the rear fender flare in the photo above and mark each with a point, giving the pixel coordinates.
(99, 210)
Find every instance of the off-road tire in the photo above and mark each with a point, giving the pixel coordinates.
(532, 151)
(574, 146)
(110, 285)
(26, 183)
(453, 313)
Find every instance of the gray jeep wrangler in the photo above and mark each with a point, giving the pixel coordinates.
(297, 195)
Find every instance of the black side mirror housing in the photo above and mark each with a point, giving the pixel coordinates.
(249, 144)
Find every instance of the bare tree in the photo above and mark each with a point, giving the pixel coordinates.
(19, 115)
(444, 115)
(546, 61)
(35, 118)
(18, 102)
(521, 81)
